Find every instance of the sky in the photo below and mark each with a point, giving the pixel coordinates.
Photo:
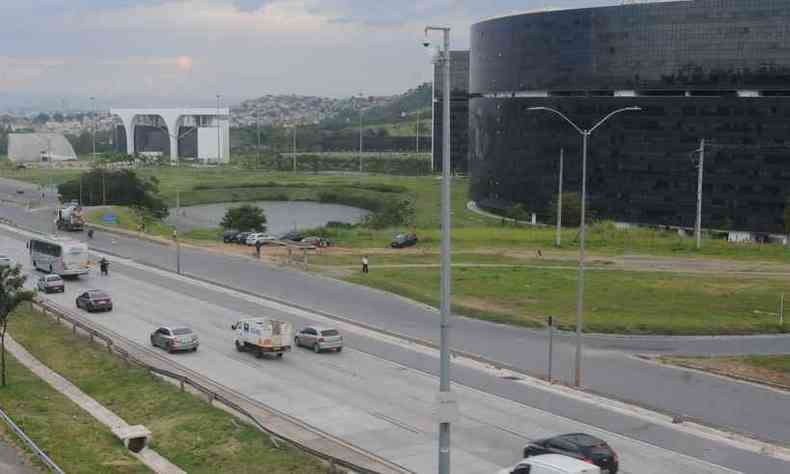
(169, 51)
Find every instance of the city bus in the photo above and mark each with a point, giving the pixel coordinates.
(59, 255)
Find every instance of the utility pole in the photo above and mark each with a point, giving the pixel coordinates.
(258, 125)
(93, 115)
(294, 146)
(418, 132)
(219, 139)
(360, 132)
(559, 200)
(701, 167)
(447, 405)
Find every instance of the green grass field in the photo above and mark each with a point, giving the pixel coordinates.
(54, 422)
(186, 430)
(615, 301)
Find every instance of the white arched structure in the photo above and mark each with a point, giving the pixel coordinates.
(213, 130)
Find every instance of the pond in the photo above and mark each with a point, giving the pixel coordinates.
(281, 216)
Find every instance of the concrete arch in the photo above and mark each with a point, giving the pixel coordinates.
(172, 118)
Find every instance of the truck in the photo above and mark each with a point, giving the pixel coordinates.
(70, 218)
(263, 336)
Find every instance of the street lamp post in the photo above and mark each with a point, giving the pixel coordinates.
(219, 140)
(559, 200)
(293, 152)
(93, 116)
(582, 231)
(360, 132)
(447, 407)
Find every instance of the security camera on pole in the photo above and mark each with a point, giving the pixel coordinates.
(447, 405)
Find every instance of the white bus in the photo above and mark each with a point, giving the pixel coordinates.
(63, 256)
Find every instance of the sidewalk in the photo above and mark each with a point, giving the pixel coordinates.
(12, 461)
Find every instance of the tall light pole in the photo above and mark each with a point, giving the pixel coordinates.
(219, 140)
(418, 133)
(447, 407)
(701, 166)
(294, 145)
(360, 132)
(580, 279)
(93, 115)
(258, 125)
(559, 200)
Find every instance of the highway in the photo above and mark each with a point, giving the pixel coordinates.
(378, 393)
(610, 367)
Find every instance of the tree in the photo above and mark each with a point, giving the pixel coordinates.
(571, 210)
(122, 188)
(245, 217)
(12, 294)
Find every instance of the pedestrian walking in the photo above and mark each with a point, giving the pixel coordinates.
(365, 264)
(258, 246)
(104, 266)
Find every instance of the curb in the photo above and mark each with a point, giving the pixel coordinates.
(720, 373)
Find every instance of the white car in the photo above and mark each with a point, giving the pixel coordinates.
(6, 261)
(552, 464)
(253, 239)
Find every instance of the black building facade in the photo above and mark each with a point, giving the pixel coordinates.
(712, 69)
(459, 113)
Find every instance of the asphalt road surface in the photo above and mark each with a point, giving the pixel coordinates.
(609, 365)
(376, 393)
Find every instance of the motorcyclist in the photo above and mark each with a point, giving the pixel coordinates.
(104, 266)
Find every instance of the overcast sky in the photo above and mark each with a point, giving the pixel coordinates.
(194, 49)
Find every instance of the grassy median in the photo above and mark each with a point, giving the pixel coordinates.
(771, 369)
(615, 301)
(186, 430)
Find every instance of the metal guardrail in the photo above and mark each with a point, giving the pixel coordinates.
(212, 395)
(31, 444)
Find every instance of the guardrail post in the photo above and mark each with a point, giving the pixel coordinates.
(181, 383)
(210, 397)
(109, 346)
(74, 328)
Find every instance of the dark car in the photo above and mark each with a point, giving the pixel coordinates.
(293, 235)
(229, 236)
(317, 241)
(403, 240)
(241, 237)
(580, 446)
(94, 300)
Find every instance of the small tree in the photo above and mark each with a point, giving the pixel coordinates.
(245, 217)
(12, 294)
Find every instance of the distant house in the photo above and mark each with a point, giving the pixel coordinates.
(39, 147)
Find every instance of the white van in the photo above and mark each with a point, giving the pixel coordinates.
(263, 336)
(552, 464)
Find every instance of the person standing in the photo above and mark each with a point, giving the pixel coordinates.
(365, 264)
(258, 246)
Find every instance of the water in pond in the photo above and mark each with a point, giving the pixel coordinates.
(281, 216)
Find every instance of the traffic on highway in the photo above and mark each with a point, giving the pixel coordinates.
(376, 394)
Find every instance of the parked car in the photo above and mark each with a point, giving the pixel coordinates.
(174, 339)
(293, 235)
(241, 237)
(229, 236)
(404, 240)
(94, 300)
(319, 339)
(577, 445)
(253, 239)
(317, 241)
(552, 464)
(6, 261)
(51, 283)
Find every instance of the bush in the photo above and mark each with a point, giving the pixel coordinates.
(393, 214)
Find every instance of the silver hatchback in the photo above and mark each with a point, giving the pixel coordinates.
(51, 283)
(319, 339)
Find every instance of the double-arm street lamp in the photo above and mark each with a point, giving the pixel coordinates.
(585, 133)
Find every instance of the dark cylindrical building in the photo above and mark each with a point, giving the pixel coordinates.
(707, 69)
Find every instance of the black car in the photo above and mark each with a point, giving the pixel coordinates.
(403, 240)
(94, 300)
(580, 446)
(229, 236)
(293, 235)
(241, 237)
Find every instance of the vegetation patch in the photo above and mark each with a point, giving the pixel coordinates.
(186, 430)
(770, 369)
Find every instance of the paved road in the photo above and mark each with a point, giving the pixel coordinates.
(12, 462)
(378, 393)
(609, 367)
